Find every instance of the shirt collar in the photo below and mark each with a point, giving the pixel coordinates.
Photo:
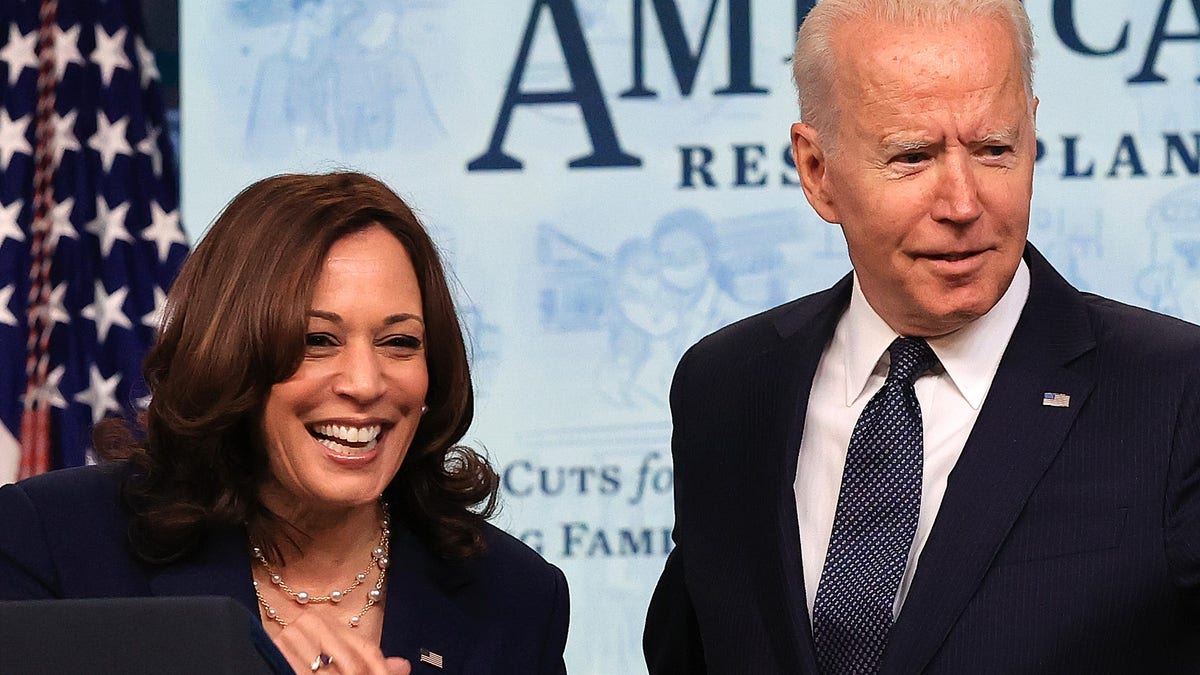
(969, 355)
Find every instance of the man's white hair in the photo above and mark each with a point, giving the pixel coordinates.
(813, 64)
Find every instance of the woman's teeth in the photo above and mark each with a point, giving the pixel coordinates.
(347, 440)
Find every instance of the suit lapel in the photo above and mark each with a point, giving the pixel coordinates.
(782, 375)
(420, 612)
(1013, 442)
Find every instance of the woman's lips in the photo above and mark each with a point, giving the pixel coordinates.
(356, 449)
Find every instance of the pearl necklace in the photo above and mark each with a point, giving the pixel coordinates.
(379, 560)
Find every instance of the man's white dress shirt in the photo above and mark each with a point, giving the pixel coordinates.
(854, 367)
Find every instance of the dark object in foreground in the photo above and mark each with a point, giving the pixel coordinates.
(111, 636)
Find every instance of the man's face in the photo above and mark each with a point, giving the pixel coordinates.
(931, 170)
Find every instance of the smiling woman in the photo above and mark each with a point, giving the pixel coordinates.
(339, 427)
(310, 385)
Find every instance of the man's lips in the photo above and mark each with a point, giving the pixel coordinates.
(961, 265)
(954, 256)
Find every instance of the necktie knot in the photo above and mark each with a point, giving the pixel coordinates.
(911, 357)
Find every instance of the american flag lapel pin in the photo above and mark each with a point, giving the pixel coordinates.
(1056, 400)
(432, 658)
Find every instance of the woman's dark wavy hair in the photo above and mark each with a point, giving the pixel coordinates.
(234, 326)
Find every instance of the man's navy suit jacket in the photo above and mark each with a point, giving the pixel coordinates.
(63, 535)
(1068, 540)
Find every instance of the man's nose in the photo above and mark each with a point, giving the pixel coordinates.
(957, 198)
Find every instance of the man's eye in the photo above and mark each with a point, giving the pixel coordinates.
(996, 150)
(318, 340)
(911, 158)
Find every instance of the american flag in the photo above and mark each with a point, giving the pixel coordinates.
(89, 224)
(1056, 400)
(432, 658)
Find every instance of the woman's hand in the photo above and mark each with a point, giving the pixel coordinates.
(309, 638)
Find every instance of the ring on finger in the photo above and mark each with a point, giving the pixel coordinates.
(320, 662)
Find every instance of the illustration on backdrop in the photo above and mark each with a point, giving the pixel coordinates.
(344, 71)
(1073, 238)
(656, 295)
(1171, 282)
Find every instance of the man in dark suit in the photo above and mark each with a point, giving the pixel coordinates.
(952, 461)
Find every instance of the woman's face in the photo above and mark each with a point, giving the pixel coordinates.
(337, 430)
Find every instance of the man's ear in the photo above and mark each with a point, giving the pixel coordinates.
(809, 156)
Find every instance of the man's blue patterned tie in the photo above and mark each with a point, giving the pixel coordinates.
(876, 519)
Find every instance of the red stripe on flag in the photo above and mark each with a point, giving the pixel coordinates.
(35, 420)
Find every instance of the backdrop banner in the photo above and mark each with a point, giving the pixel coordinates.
(610, 180)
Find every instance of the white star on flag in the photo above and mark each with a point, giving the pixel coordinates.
(101, 394)
(9, 228)
(153, 319)
(60, 222)
(109, 53)
(20, 53)
(55, 311)
(164, 230)
(12, 137)
(64, 135)
(109, 225)
(66, 50)
(106, 310)
(146, 61)
(6, 316)
(109, 139)
(149, 146)
(49, 393)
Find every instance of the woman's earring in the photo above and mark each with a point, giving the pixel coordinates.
(424, 409)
